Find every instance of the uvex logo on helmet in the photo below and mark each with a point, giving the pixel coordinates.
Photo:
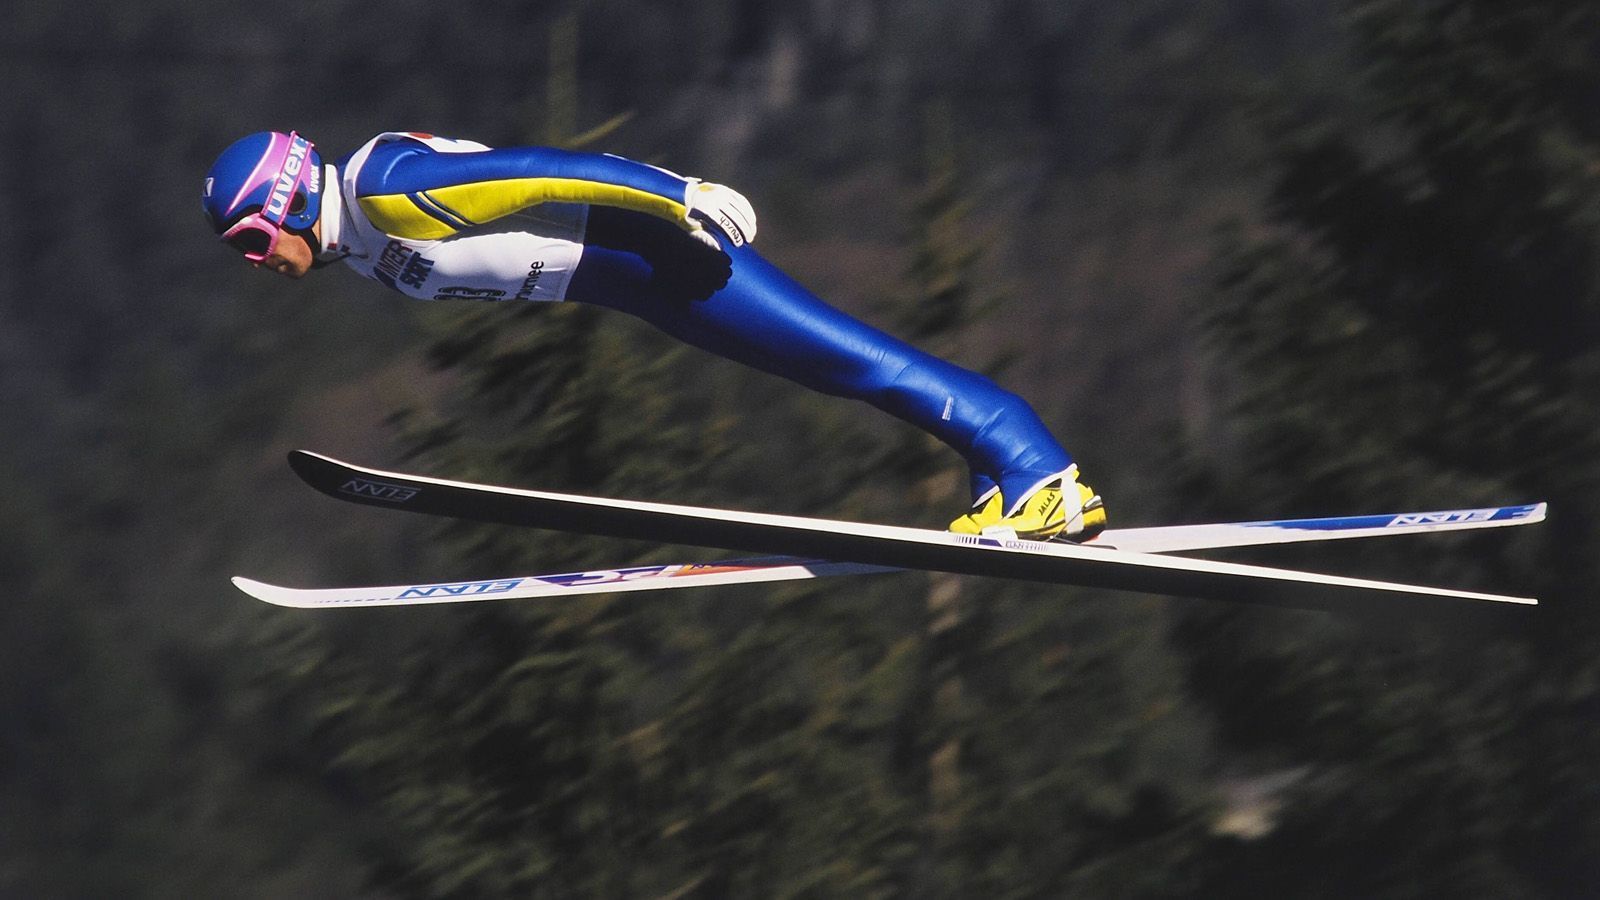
(288, 178)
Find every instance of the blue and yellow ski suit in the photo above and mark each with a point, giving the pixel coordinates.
(436, 218)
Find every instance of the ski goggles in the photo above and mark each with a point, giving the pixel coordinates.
(256, 235)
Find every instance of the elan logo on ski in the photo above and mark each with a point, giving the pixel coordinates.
(377, 490)
(467, 588)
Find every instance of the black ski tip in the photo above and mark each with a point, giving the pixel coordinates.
(313, 468)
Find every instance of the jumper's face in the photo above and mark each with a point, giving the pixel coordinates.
(268, 246)
(291, 258)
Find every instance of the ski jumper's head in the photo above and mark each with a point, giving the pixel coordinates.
(264, 187)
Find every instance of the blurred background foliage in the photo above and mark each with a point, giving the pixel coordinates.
(1249, 259)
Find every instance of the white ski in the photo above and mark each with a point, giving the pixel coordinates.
(1181, 538)
(568, 584)
(1120, 559)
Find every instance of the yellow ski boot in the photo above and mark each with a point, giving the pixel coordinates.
(1045, 515)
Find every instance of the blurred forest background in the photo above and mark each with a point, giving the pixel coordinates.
(1249, 258)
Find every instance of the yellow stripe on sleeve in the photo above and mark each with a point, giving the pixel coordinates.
(485, 201)
(397, 215)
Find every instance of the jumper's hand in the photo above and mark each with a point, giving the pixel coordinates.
(722, 207)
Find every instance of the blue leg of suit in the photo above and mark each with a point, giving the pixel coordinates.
(741, 307)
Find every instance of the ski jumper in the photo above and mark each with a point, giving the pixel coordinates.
(441, 219)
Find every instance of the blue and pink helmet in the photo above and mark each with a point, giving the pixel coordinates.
(271, 173)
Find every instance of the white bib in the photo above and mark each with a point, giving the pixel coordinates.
(529, 255)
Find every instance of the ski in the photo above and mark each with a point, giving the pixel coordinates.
(566, 584)
(1121, 559)
(1182, 538)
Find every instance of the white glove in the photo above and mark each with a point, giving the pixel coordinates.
(721, 206)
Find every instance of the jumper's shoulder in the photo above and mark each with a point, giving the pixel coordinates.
(390, 165)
